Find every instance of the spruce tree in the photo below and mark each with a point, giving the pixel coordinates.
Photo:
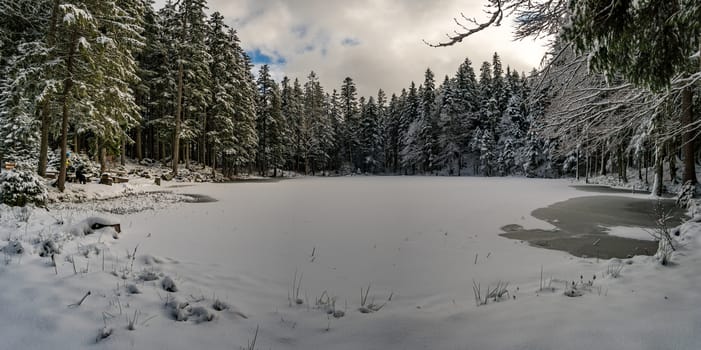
(349, 101)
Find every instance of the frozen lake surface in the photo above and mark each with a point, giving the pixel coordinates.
(420, 243)
(413, 236)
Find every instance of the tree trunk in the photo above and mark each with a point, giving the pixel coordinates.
(44, 147)
(46, 108)
(103, 158)
(178, 117)
(688, 135)
(139, 150)
(640, 170)
(576, 166)
(672, 166)
(123, 153)
(67, 86)
(647, 168)
(588, 167)
(186, 155)
(202, 154)
(657, 186)
(75, 142)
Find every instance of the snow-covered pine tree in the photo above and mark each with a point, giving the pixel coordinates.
(487, 153)
(149, 60)
(499, 89)
(475, 146)
(453, 130)
(195, 64)
(268, 122)
(510, 137)
(370, 137)
(427, 138)
(94, 66)
(409, 153)
(220, 137)
(319, 135)
(22, 69)
(288, 114)
(335, 116)
(351, 121)
(382, 119)
(243, 89)
(392, 133)
(161, 57)
(653, 44)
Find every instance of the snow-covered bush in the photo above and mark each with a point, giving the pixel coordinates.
(13, 248)
(20, 187)
(92, 224)
(686, 194)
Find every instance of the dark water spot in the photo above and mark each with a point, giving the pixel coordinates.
(607, 189)
(198, 198)
(255, 180)
(581, 226)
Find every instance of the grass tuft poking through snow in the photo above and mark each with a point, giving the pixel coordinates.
(169, 285)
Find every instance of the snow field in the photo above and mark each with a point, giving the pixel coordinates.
(422, 241)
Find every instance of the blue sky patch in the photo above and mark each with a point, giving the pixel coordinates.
(258, 57)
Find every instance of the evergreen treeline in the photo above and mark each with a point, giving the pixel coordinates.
(116, 78)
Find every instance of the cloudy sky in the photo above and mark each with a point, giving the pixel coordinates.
(376, 42)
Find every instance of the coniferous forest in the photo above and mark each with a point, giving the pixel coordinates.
(118, 79)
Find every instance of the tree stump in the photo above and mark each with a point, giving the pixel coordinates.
(106, 179)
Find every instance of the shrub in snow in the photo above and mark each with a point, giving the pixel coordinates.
(92, 224)
(133, 289)
(169, 285)
(103, 333)
(148, 276)
(220, 305)
(179, 310)
(21, 187)
(13, 248)
(49, 248)
(201, 314)
(686, 194)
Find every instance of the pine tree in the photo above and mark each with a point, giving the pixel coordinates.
(370, 136)
(336, 119)
(351, 122)
(95, 68)
(392, 133)
(487, 156)
(219, 130)
(269, 122)
(499, 85)
(318, 128)
(245, 101)
(22, 70)
(427, 126)
(409, 127)
(653, 44)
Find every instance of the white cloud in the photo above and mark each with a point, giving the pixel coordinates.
(376, 42)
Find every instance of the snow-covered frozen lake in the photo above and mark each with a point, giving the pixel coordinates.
(413, 236)
(421, 241)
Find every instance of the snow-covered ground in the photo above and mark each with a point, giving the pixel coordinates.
(420, 243)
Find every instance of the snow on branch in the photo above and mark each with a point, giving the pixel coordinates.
(494, 10)
(533, 19)
(74, 13)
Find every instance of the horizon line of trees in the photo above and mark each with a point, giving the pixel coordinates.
(119, 78)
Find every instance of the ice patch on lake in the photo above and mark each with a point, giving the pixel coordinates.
(630, 232)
